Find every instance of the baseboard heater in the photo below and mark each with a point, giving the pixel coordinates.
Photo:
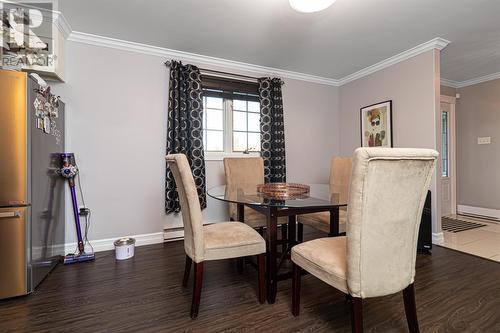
(173, 234)
(479, 216)
(479, 212)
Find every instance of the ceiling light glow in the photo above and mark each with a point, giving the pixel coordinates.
(310, 6)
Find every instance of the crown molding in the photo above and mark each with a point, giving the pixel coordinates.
(62, 24)
(480, 79)
(96, 40)
(436, 43)
(466, 83)
(91, 39)
(449, 83)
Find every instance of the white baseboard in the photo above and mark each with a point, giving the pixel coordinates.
(479, 211)
(437, 237)
(107, 244)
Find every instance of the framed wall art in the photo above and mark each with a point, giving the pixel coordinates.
(376, 125)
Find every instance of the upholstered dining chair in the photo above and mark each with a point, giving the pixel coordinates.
(377, 255)
(248, 170)
(340, 174)
(214, 241)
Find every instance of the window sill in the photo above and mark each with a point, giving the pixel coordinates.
(219, 156)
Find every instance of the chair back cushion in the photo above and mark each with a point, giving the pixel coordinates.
(386, 198)
(340, 176)
(190, 206)
(242, 170)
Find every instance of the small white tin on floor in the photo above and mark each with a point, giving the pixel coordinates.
(124, 248)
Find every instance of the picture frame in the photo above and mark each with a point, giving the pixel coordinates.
(376, 125)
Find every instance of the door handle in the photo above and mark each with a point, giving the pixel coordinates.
(10, 214)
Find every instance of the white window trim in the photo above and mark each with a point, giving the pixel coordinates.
(219, 155)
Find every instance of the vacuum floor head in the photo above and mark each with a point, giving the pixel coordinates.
(76, 258)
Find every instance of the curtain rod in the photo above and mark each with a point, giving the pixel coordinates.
(168, 63)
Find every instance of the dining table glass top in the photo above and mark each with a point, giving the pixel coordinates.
(319, 195)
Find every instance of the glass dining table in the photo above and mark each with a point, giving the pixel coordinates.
(320, 198)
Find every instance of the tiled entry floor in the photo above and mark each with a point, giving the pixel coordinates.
(483, 242)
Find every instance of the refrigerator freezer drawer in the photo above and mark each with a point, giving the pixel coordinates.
(13, 252)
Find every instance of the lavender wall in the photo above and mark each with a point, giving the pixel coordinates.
(413, 87)
(478, 115)
(116, 107)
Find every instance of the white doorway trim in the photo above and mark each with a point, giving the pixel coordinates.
(452, 165)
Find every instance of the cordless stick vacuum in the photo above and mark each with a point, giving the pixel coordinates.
(69, 170)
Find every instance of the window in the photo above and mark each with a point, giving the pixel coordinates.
(213, 123)
(231, 117)
(246, 125)
(444, 142)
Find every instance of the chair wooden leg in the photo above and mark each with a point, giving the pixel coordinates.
(284, 231)
(296, 289)
(240, 264)
(411, 308)
(284, 237)
(261, 261)
(187, 270)
(357, 315)
(300, 232)
(198, 279)
(292, 230)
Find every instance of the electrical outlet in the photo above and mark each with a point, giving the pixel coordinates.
(84, 211)
(484, 140)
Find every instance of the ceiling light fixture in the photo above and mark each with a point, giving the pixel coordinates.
(310, 6)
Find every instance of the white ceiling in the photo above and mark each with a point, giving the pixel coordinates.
(345, 38)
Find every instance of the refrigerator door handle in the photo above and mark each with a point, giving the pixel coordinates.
(10, 214)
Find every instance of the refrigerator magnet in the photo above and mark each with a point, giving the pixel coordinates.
(36, 103)
(46, 125)
(54, 112)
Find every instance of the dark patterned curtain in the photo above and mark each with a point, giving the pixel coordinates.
(185, 129)
(272, 129)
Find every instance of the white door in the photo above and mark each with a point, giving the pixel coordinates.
(448, 171)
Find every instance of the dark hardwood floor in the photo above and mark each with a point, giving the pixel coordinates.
(455, 292)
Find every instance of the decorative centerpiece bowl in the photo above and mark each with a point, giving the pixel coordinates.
(283, 191)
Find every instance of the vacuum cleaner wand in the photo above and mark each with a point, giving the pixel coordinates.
(69, 171)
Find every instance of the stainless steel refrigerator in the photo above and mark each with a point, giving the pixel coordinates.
(31, 192)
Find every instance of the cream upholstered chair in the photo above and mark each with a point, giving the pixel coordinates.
(247, 170)
(340, 174)
(214, 241)
(377, 257)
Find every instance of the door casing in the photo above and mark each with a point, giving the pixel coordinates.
(451, 180)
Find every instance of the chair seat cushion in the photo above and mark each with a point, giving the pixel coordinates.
(324, 258)
(257, 220)
(321, 220)
(231, 240)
